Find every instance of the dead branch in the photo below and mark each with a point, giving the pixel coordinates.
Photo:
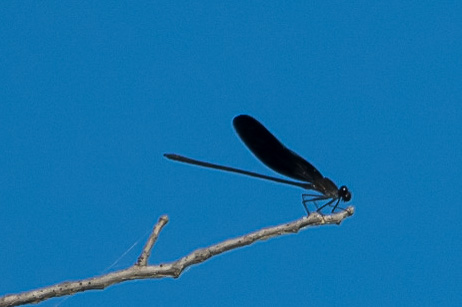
(141, 270)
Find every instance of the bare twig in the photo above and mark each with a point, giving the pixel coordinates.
(141, 270)
(143, 258)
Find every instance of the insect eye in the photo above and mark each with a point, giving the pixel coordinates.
(344, 193)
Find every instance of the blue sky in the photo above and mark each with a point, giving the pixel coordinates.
(92, 95)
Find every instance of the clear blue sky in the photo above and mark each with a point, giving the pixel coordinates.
(92, 95)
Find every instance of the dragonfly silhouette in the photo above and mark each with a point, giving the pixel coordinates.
(279, 158)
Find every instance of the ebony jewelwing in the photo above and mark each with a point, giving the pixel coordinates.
(279, 158)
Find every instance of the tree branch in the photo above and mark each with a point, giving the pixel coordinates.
(143, 258)
(140, 270)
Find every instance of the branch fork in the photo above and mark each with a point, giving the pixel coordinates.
(141, 269)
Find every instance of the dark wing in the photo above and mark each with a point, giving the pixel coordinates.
(272, 152)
